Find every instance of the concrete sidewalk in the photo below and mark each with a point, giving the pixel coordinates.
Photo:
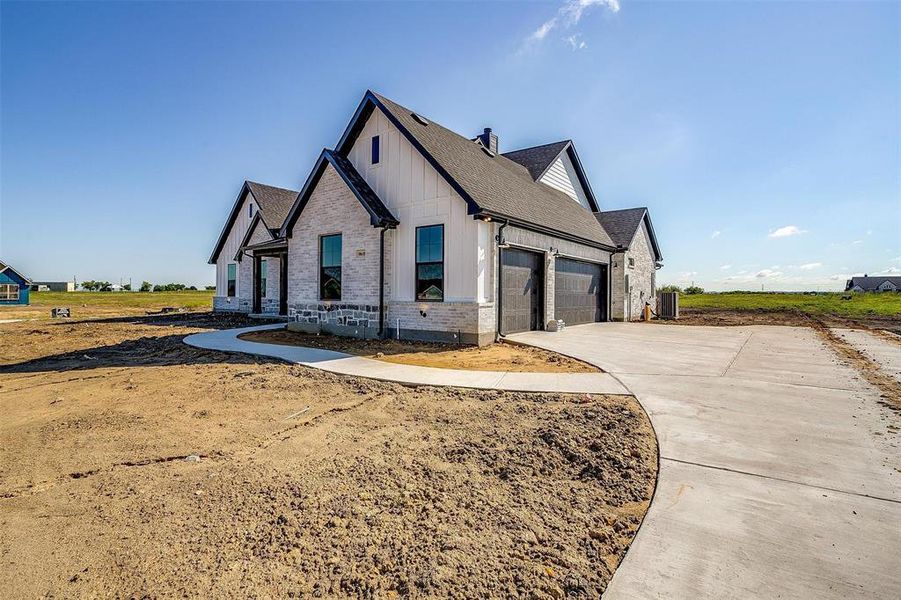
(226, 340)
(780, 476)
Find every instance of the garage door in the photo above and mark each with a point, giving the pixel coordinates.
(521, 286)
(580, 291)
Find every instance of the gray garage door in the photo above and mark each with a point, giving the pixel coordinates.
(580, 291)
(521, 283)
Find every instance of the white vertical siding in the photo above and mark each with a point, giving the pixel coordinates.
(562, 176)
(417, 195)
(230, 248)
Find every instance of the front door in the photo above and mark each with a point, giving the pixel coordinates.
(522, 284)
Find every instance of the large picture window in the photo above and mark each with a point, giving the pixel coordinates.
(232, 286)
(9, 291)
(330, 267)
(430, 263)
(264, 273)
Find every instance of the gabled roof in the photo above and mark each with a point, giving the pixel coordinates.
(622, 225)
(379, 215)
(6, 267)
(539, 159)
(245, 241)
(273, 204)
(872, 282)
(490, 184)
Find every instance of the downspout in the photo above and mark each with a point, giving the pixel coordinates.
(382, 281)
(499, 238)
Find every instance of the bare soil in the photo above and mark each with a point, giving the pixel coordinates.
(132, 465)
(494, 357)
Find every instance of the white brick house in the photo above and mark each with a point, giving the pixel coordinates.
(409, 229)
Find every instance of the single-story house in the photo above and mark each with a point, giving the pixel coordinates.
(53, 286)
(408, 229)
(876, 283)
(14, 286)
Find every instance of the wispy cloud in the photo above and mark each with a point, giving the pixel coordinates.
(810, 266)
(767, 274)
(575, 42)
(715, 234)
(889, 271)
(568, 16)
(856, 242)
(725, 267)
(787, 231)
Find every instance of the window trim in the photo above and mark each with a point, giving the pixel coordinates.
(9, 289)
(228, 279)
(375, 150)
(322, 238)
(416, 263)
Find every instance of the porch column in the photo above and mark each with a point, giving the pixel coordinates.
(257, 281)
(283, 284)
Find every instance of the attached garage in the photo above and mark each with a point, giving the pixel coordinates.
(580, 291)
(522, 285)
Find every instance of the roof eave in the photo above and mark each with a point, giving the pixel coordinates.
(223, 236)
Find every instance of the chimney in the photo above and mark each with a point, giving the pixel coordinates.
(489, 140)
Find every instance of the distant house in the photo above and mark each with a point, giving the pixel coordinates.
(53, 286)
(14, 286)
(408, 229)
(876, 283)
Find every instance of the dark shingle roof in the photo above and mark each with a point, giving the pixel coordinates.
(539, 158)
(495, 184)
(370, 200)
(870, 283)
(274, 202)
(621, 224)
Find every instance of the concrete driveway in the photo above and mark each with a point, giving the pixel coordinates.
(779, 474)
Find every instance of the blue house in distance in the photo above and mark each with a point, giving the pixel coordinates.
(13, 286)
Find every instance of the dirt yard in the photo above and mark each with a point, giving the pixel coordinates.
(495, 357)
(132, 465)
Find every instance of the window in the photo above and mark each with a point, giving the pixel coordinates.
(250, 209)
(9, 291)
(375, 149)
(430, 263)
(330, 267)
(631, 262)
(231, 288)
(264, 273)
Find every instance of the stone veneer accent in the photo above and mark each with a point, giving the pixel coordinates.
(231, 304)
(535, 241)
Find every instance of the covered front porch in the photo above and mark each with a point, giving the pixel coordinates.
(269, 277)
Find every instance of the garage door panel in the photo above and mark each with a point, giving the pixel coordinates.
(521, 283)
(580, 291)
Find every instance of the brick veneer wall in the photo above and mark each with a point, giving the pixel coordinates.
(640, 275)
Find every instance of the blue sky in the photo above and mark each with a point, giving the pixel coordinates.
(764, 137)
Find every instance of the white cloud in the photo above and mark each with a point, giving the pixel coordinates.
(787, 231)
(810, 266)
(725, 267)
(889, 271)
(688, 274)
(855, 242)
(569, 16)
(575, 43)
(715, 234)
(767, 274)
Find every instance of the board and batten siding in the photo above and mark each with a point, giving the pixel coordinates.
(230, 248)
(417, 195)
(562, 176)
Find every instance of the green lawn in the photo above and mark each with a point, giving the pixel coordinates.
(107, 304)
(885, 304)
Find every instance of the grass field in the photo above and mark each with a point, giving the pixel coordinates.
(821, 304)
(106, 304)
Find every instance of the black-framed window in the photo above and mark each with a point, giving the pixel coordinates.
(430, 263)
(250, 209)
(232, 286)
(264, 274)
(330, 267)
(376, 150)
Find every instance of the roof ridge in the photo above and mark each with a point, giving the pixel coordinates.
(564, 142)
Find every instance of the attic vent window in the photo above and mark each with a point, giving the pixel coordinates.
(487, 151)
(375, 150)
(420, 119)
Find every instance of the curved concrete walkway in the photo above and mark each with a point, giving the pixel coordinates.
(780, 470)
(227, 340)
